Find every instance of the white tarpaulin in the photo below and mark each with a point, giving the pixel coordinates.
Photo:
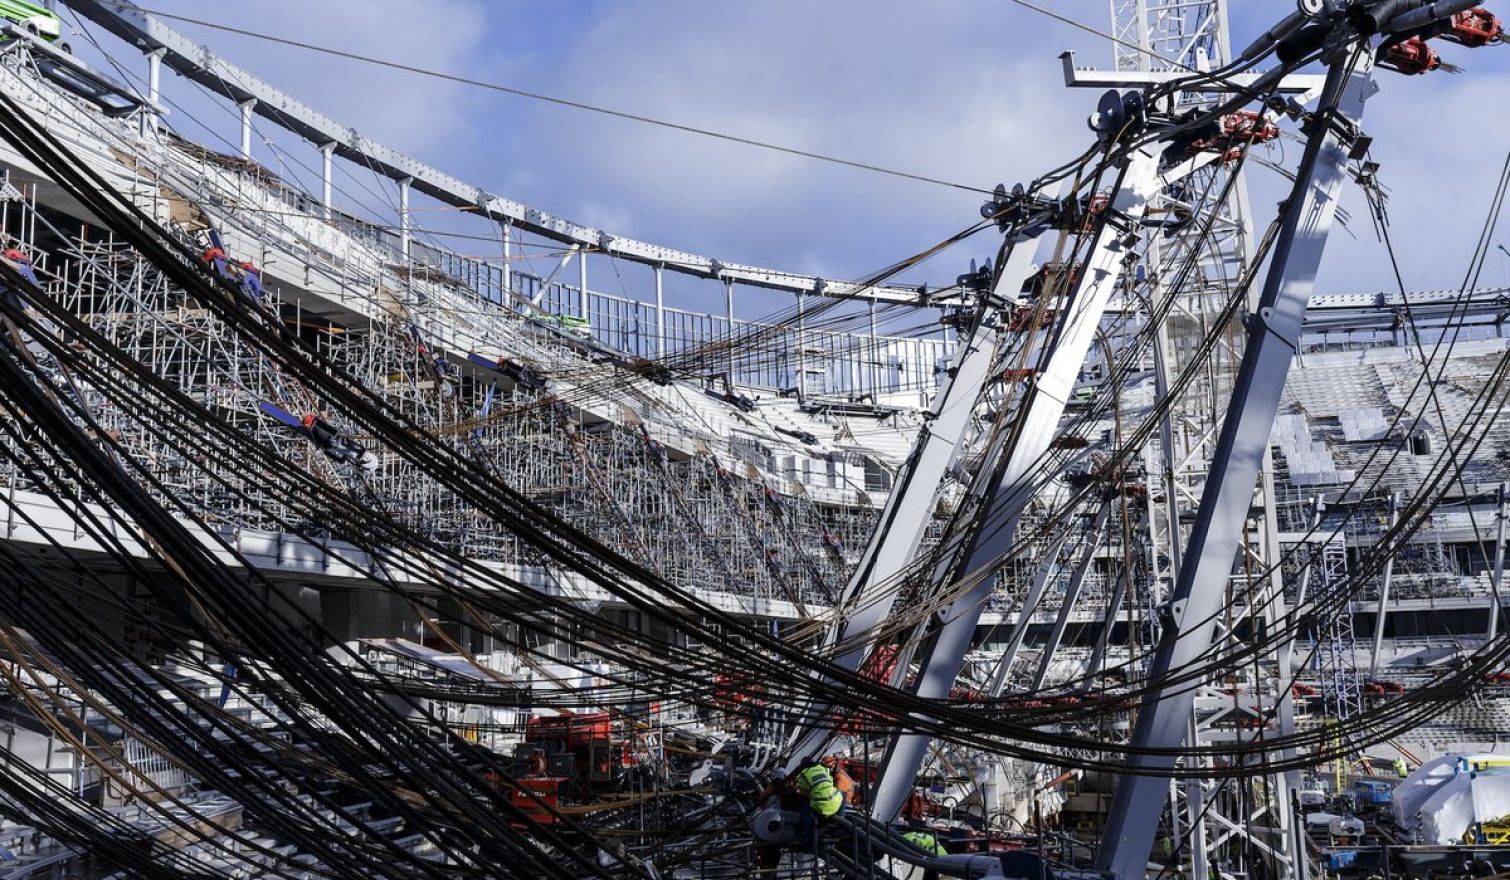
(1444, 798)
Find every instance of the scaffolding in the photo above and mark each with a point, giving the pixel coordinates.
(716, 522)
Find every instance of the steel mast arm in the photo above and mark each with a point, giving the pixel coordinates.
(1004, 491)
(1273, 333)
(909, 508)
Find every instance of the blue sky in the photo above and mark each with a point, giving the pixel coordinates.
(967, 90)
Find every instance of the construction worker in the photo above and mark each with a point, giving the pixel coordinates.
(14, 298)
(522, 374)
(823, 799)
(1402, 770)
(441, 367)
(336, 445)
(842, 780)
(215, 258)
(784, 794)
(251, 280)
(435, 359)
(928, 842)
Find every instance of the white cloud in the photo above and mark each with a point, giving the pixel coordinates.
(424, 115)
(1441, 154)
(966, 90)
(933, 93)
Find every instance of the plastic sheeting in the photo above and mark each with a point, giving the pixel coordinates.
(1444, 798)
(1415, 789)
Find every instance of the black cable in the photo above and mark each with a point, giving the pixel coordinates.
(535, 96)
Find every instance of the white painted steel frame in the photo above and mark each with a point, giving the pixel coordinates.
(909, 508)
(1273, 333)
(1004, 491)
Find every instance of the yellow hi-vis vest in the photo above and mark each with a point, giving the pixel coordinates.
(817, 785)
(928, 843)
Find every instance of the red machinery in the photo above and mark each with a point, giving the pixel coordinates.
(881, 664)
(1411, 57)
(1234, 132)
(1379, 688)
(861, 777)
(1022, 319)
(1095, 206)
(734, 690)
(879, 667)
(574, 730)
(1474, 28)
(578, 747)
(1052, 278)
(1249, 126)
(546, 791)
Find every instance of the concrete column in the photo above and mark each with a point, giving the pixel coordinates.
(246, 126)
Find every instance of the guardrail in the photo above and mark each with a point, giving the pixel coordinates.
(821, 362)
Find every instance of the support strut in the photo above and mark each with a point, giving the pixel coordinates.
(1006, 489)
(1273, 334)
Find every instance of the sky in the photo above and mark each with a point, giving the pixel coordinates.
(964, 90)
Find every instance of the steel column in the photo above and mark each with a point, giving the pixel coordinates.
(871, 381)
(246, 108)
(1195, 815)
(582, 285)
(1005, 490)
(508, 260)
(405, 218)
(154, 90)
(1072, 592)
(909, 508)
(729, 311)
(801, 361)
(660, 311)
(1498, 577)
(1273, 333)
(1384, 586)
(326, 187)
